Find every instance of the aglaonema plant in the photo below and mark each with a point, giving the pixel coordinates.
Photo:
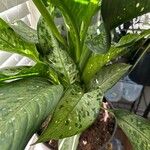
(71, 72)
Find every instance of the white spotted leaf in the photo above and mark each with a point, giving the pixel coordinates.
(116, 12)
(12, 42)
(136, 128)
(24, 105)
(74, 113)
(108, 76)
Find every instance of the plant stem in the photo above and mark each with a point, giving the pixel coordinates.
(140, 58)
(84, 58)
(48, 18)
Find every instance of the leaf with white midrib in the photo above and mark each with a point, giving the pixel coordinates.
(24, 105)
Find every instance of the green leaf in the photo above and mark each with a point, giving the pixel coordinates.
(95, 41)
(116, 12)
(62, 63)
(24, 105)
(18, 72)
(78, 15)
(108, 76)
(12, 42)
(44, 37)
(136, 128)
(26, 33)
(49, 20)
(70, 143)
(97, 61)
(74, 113)
(130, 39)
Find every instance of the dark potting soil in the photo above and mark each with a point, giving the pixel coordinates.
(94, 137)
(97, 135)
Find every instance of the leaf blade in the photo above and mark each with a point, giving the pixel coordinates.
(24, 106)
(19, 72)
(136, 128)
(28, 34)
(75, 112)
(97, 61)
(108, 76)
(61, 61)
(115, 13)
(11, 42)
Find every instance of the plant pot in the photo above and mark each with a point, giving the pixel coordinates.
(140, 73)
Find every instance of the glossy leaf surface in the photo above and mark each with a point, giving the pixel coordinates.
(74, 113)
(131, 39)
(24, 105)
(44, 37)
(108, 76)
(136, 128)
(97, 39)
(23, 72)
(28, 34)
(62, 63)
(78, 15)
(12, 42)
(97, 61)
(116, 12)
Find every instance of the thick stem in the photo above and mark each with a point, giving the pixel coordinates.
(48, 18)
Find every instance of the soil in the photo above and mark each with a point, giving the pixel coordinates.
(95, 136)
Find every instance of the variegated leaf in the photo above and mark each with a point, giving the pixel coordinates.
(108, 76)
(24, 105)
(12, 42)
(136, 128)
(63, 63)
(74, 113)
(19, 72)
(44, 37)
(26, 33)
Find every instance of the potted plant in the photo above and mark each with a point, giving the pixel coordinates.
(72, 72)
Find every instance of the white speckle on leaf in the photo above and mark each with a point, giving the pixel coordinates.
(97, 81)
(70, 128)
(13, 118)
(142, 9)
(137, 5)
(19, 98)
